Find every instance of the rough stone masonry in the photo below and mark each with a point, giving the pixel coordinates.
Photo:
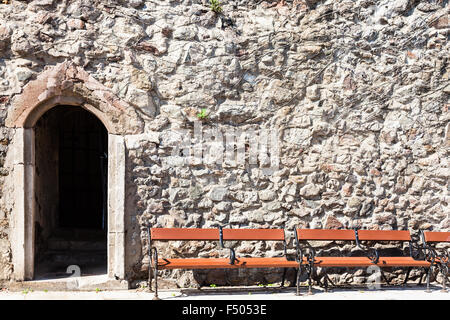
(358, 91)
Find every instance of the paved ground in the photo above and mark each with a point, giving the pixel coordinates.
(392, 293)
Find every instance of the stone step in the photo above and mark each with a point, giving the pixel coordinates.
(79, 245)
(83, 283)
(59, 258)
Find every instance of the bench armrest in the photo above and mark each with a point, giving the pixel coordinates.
(300, 252)
(222, 245)
(416, 251)
(374, 255)
(153, 255)
(430, 253)
(232, 256)
(442, 254)
(370, 252)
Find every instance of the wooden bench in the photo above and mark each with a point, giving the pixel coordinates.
(371, 257)
(438, 258)
(222, 236)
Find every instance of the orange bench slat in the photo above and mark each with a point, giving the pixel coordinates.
(342, 261)
(384, 235)
(435, 236)
(214, 263)
(184, 234)
(366, 262)
(401, 262)
(277, 262)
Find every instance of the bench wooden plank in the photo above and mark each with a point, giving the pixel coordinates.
(435, 236)
(384, 235)
(342, 262)
(253, 234)
(402, 262)
(326, 234)
(366, 262)
(214, 263)
(276, 262)
(184, 234)
(193, 263)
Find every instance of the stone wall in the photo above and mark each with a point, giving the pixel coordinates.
(358, 92)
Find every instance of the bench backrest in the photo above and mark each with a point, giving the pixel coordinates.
(384, 235)
(301, 234)
(214, 234)
(325, 234)
(350, 235)
(184, 234)
(435, 236)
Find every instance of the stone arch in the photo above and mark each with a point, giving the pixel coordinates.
(68, 84)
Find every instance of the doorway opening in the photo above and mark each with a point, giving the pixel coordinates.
(71, 151)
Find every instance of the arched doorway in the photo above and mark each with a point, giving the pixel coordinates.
(71, 151)
(67, 84)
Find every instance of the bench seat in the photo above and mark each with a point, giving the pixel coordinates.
(215, 263)
(282, 262)
(366, 262)
(342, 262)
(402, 262)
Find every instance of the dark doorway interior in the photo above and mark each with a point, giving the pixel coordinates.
(71, 187)
(82, 171)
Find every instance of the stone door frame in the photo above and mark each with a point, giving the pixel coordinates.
(69, 85)
(23, 246)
